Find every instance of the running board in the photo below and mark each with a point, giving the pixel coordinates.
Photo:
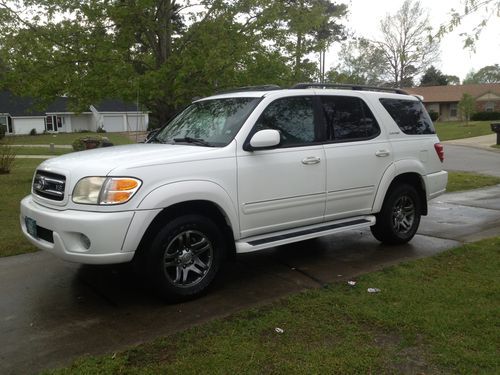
(264, 241)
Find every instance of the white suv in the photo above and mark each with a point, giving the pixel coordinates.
(240, 172)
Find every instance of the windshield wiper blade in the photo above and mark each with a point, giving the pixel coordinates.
(196, 141)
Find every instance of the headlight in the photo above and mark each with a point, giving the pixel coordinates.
(105, 190)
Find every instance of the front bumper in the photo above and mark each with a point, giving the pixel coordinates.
(105, 230)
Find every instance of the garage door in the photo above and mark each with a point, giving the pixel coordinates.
(113, 123)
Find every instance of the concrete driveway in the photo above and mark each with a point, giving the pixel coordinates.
(52, 312)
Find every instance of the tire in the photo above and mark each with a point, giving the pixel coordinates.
(399, 218)
(185, 256)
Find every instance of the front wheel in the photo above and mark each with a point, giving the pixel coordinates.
(185, 256)
(399, 218)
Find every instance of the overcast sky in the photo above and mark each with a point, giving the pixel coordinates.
(365, 15)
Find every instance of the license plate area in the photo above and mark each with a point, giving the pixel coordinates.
(31, 226)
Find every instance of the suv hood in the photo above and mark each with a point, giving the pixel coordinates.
(101, 161)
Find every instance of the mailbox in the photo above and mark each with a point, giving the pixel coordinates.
(495, 127)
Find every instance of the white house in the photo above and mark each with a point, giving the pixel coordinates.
(19, 115)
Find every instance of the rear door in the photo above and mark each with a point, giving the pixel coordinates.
(357, 156)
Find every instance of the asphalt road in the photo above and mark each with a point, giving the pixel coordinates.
(52, 312)
(468, 159)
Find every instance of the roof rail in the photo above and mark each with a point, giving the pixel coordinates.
(250, 88)
(347, 86)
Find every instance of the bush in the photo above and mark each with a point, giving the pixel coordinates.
(87, 143)
(485, 116)
(433, 115)
(33, 132)
(7, 157)
(3, 130)
(101, 130)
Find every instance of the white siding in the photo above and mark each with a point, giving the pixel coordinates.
(82, 122)
(23, 125)
(114, 123)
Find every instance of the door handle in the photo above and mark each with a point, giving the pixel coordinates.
(382, 153)
(311, 160)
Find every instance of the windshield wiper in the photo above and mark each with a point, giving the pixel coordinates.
(196, 141)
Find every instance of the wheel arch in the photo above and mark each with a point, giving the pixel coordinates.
(390, 181)
(205, 208)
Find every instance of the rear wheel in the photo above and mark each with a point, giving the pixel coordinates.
(185, 256)
(399, 218)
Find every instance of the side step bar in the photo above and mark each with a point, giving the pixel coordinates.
(249, 244)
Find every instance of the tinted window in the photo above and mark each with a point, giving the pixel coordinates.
(348, 118)
(293, 117)
(410, 115)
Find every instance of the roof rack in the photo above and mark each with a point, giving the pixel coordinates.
(250, 88)
(347, 86)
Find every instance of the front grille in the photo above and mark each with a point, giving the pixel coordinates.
(49, 185)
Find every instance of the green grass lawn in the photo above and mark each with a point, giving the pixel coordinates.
(458, 181)
(64, 138)
(458, 130)
(14, 186)
(41, 151)
(435, 315)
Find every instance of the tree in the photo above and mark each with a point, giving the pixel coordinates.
(360, 62)
(164, 52)
(470, 78)
(308, 26)
(407, 49)
(433, 77)
(488, 74)
(488, 8)
(452, 80)
(466, 106)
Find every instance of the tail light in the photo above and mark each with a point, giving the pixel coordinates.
(439, 151)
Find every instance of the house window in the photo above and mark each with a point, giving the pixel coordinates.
(53, 123)
(453, 110)
(489, 107)
(6, 121)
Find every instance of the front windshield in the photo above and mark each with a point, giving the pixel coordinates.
(208, 122)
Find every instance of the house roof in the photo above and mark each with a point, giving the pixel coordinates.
(18, 106)
(453, 93)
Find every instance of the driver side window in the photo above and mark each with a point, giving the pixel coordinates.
(293, 117)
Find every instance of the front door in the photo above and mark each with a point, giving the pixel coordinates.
(53, 123)
(283, 187)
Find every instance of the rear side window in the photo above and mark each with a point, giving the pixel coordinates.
(410, 115)
(348, 118)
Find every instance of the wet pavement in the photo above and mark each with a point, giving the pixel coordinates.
(52, 312)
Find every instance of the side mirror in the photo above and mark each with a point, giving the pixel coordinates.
(263, 139)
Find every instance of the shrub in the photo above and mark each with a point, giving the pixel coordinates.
(485, 116)
(7, 157)
(3, 130)
(78, 144)
(101, 130)
(33, 132)
(433, 115)
(87, 143)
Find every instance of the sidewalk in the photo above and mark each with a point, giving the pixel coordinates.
(483, 142)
